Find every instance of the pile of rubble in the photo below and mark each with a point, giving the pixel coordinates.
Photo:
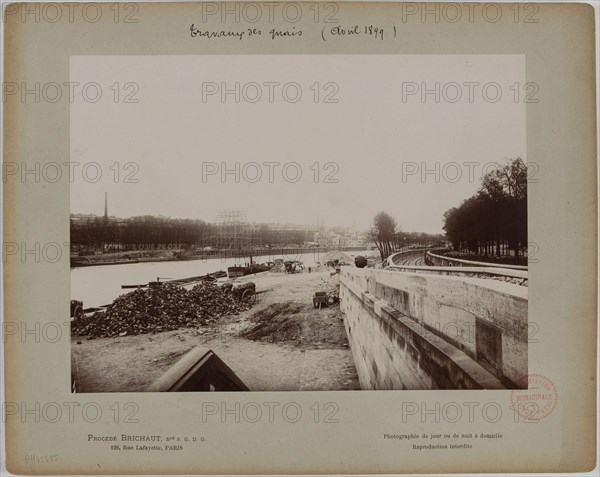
(330, 285)
(162, 308)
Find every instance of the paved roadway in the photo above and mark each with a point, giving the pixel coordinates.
(413, 260)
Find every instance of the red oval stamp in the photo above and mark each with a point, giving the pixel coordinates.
(537, 400)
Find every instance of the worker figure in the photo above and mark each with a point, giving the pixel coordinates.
(309, 269)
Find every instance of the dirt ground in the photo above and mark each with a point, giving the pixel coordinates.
(282, 344)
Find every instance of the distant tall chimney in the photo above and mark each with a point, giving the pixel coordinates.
(106, 205)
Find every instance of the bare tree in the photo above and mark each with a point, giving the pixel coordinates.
(382, 231)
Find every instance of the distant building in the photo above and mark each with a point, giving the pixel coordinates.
(335, 240)
(352, 240)
(77, 219)
(327, 239)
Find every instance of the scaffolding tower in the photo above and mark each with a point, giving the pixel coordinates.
(233, 231)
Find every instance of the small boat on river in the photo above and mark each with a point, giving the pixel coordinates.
(180, 281)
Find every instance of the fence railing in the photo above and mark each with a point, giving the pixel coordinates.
(457, 267)
(458, 262)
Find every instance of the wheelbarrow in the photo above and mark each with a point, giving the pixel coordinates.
(320, 299)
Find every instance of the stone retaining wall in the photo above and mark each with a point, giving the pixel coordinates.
(412, 331)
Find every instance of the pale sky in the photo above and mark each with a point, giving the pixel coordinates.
(369, 133)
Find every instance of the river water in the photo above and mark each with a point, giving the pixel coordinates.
(101, 284)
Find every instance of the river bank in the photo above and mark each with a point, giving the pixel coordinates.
(119, 258)
(281, 344)
(175, 255)
(100, 285)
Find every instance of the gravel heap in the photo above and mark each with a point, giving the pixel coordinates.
(330, 285)
(162, 308)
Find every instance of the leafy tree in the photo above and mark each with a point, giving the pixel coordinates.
(493, 221)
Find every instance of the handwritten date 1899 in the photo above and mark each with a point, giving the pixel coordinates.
(356, 30)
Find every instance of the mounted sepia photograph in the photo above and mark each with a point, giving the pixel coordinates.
(299, 238)
(214, 252)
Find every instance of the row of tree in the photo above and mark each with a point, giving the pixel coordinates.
(100, 233)
(491, 222)
(494, 220)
